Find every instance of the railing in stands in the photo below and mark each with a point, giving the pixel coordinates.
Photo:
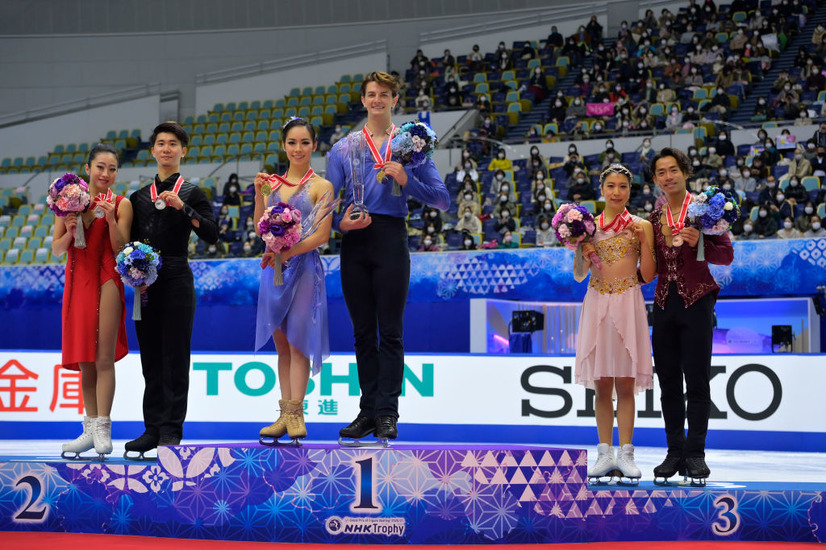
(99, 100)
(289, 62)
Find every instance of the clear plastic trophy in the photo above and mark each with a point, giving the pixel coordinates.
(358, 154)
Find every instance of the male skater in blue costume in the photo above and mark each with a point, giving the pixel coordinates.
(375, 259)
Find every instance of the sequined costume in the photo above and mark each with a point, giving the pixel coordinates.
(613, 336)
(299, 306)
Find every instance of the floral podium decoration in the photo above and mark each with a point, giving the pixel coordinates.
(412, 144)
(138, 264)
(280, 229)
(70, 193)
(573, 225)
(712, 212)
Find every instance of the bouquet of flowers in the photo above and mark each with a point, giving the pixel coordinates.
(712, 212)
(280, 229)
(68, 194)
(573, 224)
(412, 144)
(138, 264)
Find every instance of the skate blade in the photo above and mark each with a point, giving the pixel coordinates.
(600, 480)
(273, 442)
(697, 481)
(77, 456)
(628, 481)
(141, 457)
(358, 443)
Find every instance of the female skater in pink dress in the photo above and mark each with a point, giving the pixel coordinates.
(613, 353)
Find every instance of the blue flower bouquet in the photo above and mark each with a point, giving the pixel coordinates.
(412, 144)
(712, 212)
(138, 264)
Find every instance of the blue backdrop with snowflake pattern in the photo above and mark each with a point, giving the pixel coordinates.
(441, 285)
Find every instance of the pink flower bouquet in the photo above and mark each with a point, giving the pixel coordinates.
(68, 194)
(280, 229)
(573, 225)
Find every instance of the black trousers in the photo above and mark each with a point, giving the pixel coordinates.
(682, 339)
(164, 335)
(375, 275)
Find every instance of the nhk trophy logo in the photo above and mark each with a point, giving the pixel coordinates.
(365, 526)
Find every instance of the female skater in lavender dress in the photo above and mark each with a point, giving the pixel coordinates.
(613, 354)
(294, 314)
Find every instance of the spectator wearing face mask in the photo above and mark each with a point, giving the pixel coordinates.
(609, 148)
(804, 221)
(501, 162)
(795, 191)
(543, 201)
(214, 251)
(744, 181)
(432, 217)
(559, 110)
(225, 224)
(779, 207)
(800, 166)
(713, 159)
(576, 109)
(765, 225)
(538, 84)
(504, 200)
(770, 154)
(501, 184)
(504, 221)
(545, 236)
(253, 246)
(475, 59)
(816, 231)
(748, 233)
(232, 192)
(429, 243)
(762, 110)
(508, 241)
(819, 162)
(759, 170)
(720, 103)
(645, 195)
(788, 231)
(468, 221)
(536, 168)
(540, 185)
(467, 170)
(674, 119)
(665, 94)
(468, 199)
(467, 241)
(580, 188)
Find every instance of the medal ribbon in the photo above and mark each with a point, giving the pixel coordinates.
(680, 223)
(153, 191)
(618, 224)
(374, 150)
(277, 181)
(100, 197)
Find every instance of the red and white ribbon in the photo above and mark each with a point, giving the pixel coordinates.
(618, 224)
(375, 151)
(277, 181)
(153, 191)
(677, 226)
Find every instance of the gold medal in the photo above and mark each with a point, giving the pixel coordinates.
(380, 176)
(266, 189)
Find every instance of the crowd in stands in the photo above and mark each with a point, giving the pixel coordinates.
(685, 72)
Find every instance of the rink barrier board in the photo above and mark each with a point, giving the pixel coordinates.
(407, 494)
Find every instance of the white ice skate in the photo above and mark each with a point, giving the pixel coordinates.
(102, 436)
(604, 466)
(630, 474)
(84, 442)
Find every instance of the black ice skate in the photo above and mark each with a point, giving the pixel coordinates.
(141, 445)
(672, 465)
(358, 429)
(697, 471)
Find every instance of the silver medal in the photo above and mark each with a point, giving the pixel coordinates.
(99, 213)
(160, 204)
